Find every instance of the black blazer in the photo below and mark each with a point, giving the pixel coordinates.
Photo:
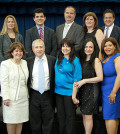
(115, 33)
(49, 40)
(51, 64)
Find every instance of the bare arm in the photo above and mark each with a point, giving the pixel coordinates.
(116, 87)
(99, 75)
(75, 100)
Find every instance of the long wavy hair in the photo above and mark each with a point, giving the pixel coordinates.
(70, 44)
(94, 55)
(4, 29)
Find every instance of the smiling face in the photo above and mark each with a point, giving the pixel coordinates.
(108, 19)
(39, 19)
(10, 23)
(90, 21)
(38, 48)
(17, 54)
(69, 15)
(89, 48)
(109, 48)
(66, 50)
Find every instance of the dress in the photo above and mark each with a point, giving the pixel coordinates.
(89, 93)
(18, 110)
(110, 111)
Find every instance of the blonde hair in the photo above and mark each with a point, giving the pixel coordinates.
(4, 29)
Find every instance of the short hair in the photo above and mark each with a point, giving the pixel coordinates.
(15, 45)
(70, 7)
(108, 11)
(95, 18)
(39, 10)
(39, 40)
(113, 41)
(4, 29)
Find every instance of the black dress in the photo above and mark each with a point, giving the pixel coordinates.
(89, 93)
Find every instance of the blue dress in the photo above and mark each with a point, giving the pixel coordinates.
(110, 111)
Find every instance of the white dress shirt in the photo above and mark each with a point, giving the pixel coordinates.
(66, 29)
(34, 82)
(109, 30)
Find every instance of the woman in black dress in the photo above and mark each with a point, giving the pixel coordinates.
(89, 88)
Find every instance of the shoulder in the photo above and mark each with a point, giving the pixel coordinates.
(116, 55)
(6, 62)
(97, 60)
(31, 29)
(116, 28)
(76, 60)
(49, 29)
(23, 61)
(18, 34)
(50, 57)
(31, 59)
(62, 25)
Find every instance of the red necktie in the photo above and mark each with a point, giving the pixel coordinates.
(41, 34)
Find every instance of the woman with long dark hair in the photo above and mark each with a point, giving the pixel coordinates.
(67, 71)
(89, 88)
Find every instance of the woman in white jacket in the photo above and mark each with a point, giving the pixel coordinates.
(14, 75)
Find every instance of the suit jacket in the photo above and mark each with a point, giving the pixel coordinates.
(75, 33)
(115, 33)
(49, 40)
(10, 79)
(51, 63)
(5, 43)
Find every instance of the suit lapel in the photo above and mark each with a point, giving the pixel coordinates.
(35, 31)
(61, 32)
(31, 66)
(113, 32)
(49, 65)
(45, 34)
(72, 28)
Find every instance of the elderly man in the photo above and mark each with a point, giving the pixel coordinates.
(41, 89)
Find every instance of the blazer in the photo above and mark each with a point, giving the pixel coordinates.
(5, 43)
(49, 41)
(51, 63)
(10, 79)
(75, 32)
(115, 33)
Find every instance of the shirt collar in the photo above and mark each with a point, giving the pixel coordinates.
(69, 24)
(111, 27)
(40, 27)
(43, 58)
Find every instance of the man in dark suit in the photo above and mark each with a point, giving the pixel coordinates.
(70, 29)
(41, 89)
(110, 30)
(34, 33)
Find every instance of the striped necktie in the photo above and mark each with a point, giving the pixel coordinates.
(41, 34)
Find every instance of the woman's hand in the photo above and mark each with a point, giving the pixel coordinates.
(112, 97)
(80, 83)
(7, 102)
(75, 100)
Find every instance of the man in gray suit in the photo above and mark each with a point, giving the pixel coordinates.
(48, 35)
(70, 29)
(110, 30)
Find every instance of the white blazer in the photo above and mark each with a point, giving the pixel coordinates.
(10, 79)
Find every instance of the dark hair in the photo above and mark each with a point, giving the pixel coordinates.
(15, 45)
(95, 18)
(71, 44)
(108, 11)
(113, 41)
(95, 53)
(39, 10)
(70, 7)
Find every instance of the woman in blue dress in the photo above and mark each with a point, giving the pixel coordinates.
(111, 84)
(67, 71)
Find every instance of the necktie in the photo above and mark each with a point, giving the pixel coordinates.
(41, 34)
(65, 30)
(107, 32)
(41, 79)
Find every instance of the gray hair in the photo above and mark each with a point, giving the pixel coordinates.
(39, 40)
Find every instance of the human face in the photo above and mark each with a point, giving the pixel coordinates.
(38, 49)
(90, 21)
(10, 23)
(69, 15)
(89, 48)
(109, 48)
(66, 50)
(108, 19)
(39, 19)
(17, 54)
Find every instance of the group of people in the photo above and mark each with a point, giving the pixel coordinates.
(62, 70)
